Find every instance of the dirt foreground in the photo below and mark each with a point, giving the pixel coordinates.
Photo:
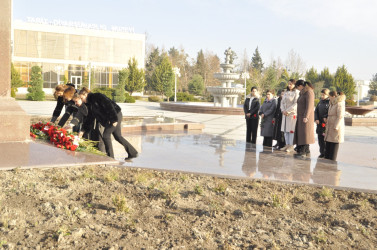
(104, 207)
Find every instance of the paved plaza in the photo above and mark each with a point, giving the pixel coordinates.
(220, 149)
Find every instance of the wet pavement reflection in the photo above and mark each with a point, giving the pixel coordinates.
(203, 153)
(38, 154)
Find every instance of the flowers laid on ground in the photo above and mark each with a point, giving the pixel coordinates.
(62, 138)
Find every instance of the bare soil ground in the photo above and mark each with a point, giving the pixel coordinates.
(108, 207)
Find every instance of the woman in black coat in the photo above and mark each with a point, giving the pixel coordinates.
(320, 118)
(278, 135)
(70, 107)
(109, 115)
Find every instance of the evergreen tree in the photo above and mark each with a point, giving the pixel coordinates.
(201, 66)
(270, 79)
(373, 85)
(174, 56)
(36, 85)
(256, 60)
(15, 81)
(311, 75)
(120, 90)
(163, 78)
(344, 82)
(135, 80)
(327, 78)
(154, 59)
(318, 86)
(196, 85)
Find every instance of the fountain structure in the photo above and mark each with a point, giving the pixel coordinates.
(226, 95)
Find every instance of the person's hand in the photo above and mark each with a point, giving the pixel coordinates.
(81, 134)
(305, 120)
(115, 124)
(262, 116)
(248, 115)
(325, 120)
(285, 113)
(317, 121)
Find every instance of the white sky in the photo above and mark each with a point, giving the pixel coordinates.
(323, 32)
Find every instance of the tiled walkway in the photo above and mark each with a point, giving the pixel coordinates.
(221, 150)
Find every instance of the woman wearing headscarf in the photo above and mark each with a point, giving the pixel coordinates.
(335, 125)
(304, 133)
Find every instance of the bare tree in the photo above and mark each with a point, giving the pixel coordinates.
(244, 62)
(295, 64)
(212, 62)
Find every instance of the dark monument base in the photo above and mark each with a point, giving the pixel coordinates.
(14, 122)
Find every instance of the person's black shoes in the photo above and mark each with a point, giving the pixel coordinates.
(321, 156)
(131, 157)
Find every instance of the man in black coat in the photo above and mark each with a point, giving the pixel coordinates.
(251, 107)
(320, 116)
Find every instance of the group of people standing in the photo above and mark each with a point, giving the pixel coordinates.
(290, 118)
(95, 117)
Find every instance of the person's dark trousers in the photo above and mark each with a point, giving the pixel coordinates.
(251, 130)
(322, 144)
(267, 141)
(331, 151)
(97, 135)
(117, 133)
(281, 141)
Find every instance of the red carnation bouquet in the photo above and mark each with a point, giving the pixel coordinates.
(323, 125)
(62, 138)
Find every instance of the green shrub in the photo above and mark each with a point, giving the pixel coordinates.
(137, 97)
(35, 88)
(373, 98)
(13, 92)
(350, 103)
(109, 92)
(184, 97)
(129, 99)
(154, 99)
(316, 101)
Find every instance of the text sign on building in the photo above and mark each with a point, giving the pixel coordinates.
(76, 24)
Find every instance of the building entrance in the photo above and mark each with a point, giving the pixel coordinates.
(76, 80)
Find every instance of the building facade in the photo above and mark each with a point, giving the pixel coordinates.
(74, 52)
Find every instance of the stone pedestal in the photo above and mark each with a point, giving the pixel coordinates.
(14, 122)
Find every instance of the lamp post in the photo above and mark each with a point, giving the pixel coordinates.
(90, 66)
(176, 73)
(58, 69)
(245, 76)
(358, 91)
